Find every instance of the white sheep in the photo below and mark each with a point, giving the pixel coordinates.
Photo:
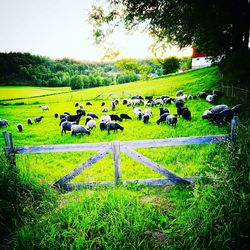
(148, 112)
(136, 110)
(158, 101)
(43, 108)
(105, 119)
(106, 109)
(91, 124)
(79, 129)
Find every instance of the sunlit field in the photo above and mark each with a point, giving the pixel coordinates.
(182, 160)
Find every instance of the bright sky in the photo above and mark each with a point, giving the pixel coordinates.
(58, 28)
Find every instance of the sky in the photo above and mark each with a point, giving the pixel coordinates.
(59, 28)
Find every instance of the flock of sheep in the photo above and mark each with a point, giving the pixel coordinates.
(218, 114)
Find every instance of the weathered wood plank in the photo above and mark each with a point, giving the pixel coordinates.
(156, 167)
(117, 162)
(147, 182)
(11, 141)
(61, 148)
(95, 158)
(6, 138)
(234, 125)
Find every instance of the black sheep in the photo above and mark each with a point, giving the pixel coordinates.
(66, 126)
(149, 97)
(145, 118)
(29, 121)
(162, 118)
(179, 104)
(56, 115)
(20, 127)
(180, 110)
(125, 116)
(81, 112)
(115, 117)
(237, 109)
(88, 104)
(186, 114)
(103, 104)
(92, 115)
(73, 118)
(202, 95)
(77, 104)
(38, 119)
(223, 116)
(102, 126)
(171, 120)
(163, 111)
(113, 126)
(125, 101)
(88, 118)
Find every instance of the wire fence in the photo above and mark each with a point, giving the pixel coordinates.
(232, 91)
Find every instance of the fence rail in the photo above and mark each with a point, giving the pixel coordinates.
(237, 92)
(116, 147)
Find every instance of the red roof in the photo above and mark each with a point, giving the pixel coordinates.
(197, 53)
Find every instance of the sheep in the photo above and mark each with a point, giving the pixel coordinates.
(171, 120)
(149, 97)
(190, 97)
(113, 126)
(66, 126)
(88, 118)
(115, 117)
(116, 101)
(43, 108)
(137, 102)
(179, 104)
(218, 93)
(105, 119)
(81, 106)
(20, 127)
(135, 110)
(76, 104)
(145, 118)
(207, 115)
(210, 98)
(38, 119)
(91, 124)
(138, 115)
(224, 116)
(181, 98)
(129, 102)
(63, 116)
(92, 115)
(158, 101)
(137, 97)
(167, 100)
(162, 118)
(202, 95)
(125, 116)
(56, 115)
(163, 111)
(217, 109)
(149, 103)
(62, 120)
(74, 118)
(237, 109)
(103, 104)
(194, 97)
(148, 112)
(102, 126)
(29, 121)
(4, 123)
(106, 109)
(81, 112)
(164, 96)
(179, 92)
(88, 104)
(79, 129)
(112, 105)
(180, 110)
(186, 114)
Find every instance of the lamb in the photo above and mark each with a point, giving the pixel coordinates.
(103, 104)
(43, 108)
(106, 109)
(81, 112)
(92, 115)
(4, 123)
(162, 118)
(125, 116)
(56, 115)
(145, 118)
(91, 124)
(163, 111)
(113, 126)
(29, 121)
(179, 92)
(38, 119)
(66, 126)
(88, 104)
(115, 117)
(20, 127)
(88, 118)
(171, 120)
(79, 129)
(105, 119)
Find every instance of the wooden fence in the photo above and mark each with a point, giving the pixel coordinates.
(232, 91)
(116, 147)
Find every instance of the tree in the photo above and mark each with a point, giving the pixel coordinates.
(76, 82)
(216, 27)
(170, 65)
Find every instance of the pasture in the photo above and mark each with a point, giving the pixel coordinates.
(182, 160)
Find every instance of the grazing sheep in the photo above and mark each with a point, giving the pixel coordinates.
(179, 92)
(207, 115)
(4, 123)
(66, 126)
(129, 102)
(88, 118)
(76, 104)
(105, 119)
(115, 117)
(88, 104)
(145, 118)
(237, 109)
(163, 111)
(149, 97)
(217, 109)
(194, 97)
(81, 112)
(29, 121)
(106, 109)
(162, 118)
(125, 116)
(164, 96)
(20, 127)
(138, 115)
(158, 102)
(63, 116)
(135, 110)
(113, 126)
(137, 97)
(137, 102)
(148, 112)
(190, 97)
(38, 119)
(224, 116)
(149, 103)
(74, 118)
(102, 126)
(92, 115)
(103, 104)
(112, 105)
(79, 129)
(91, 124)
(217, 93)
(182, 98)
(167, 100)
(116, 101)
(210, 98)
(180, 110)
(179, 104)
(56, 115)
(171, 120)
(202, 95)
(186, 114)
(66, 113)
(43, 108)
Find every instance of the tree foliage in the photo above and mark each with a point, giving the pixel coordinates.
(170, 65)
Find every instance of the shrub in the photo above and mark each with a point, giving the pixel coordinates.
(170, 65)
(76, 82)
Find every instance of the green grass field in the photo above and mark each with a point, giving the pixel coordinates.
(124, 217)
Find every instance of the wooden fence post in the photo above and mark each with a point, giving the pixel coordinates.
(9, 149)
(115, 145)
(234, 125)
